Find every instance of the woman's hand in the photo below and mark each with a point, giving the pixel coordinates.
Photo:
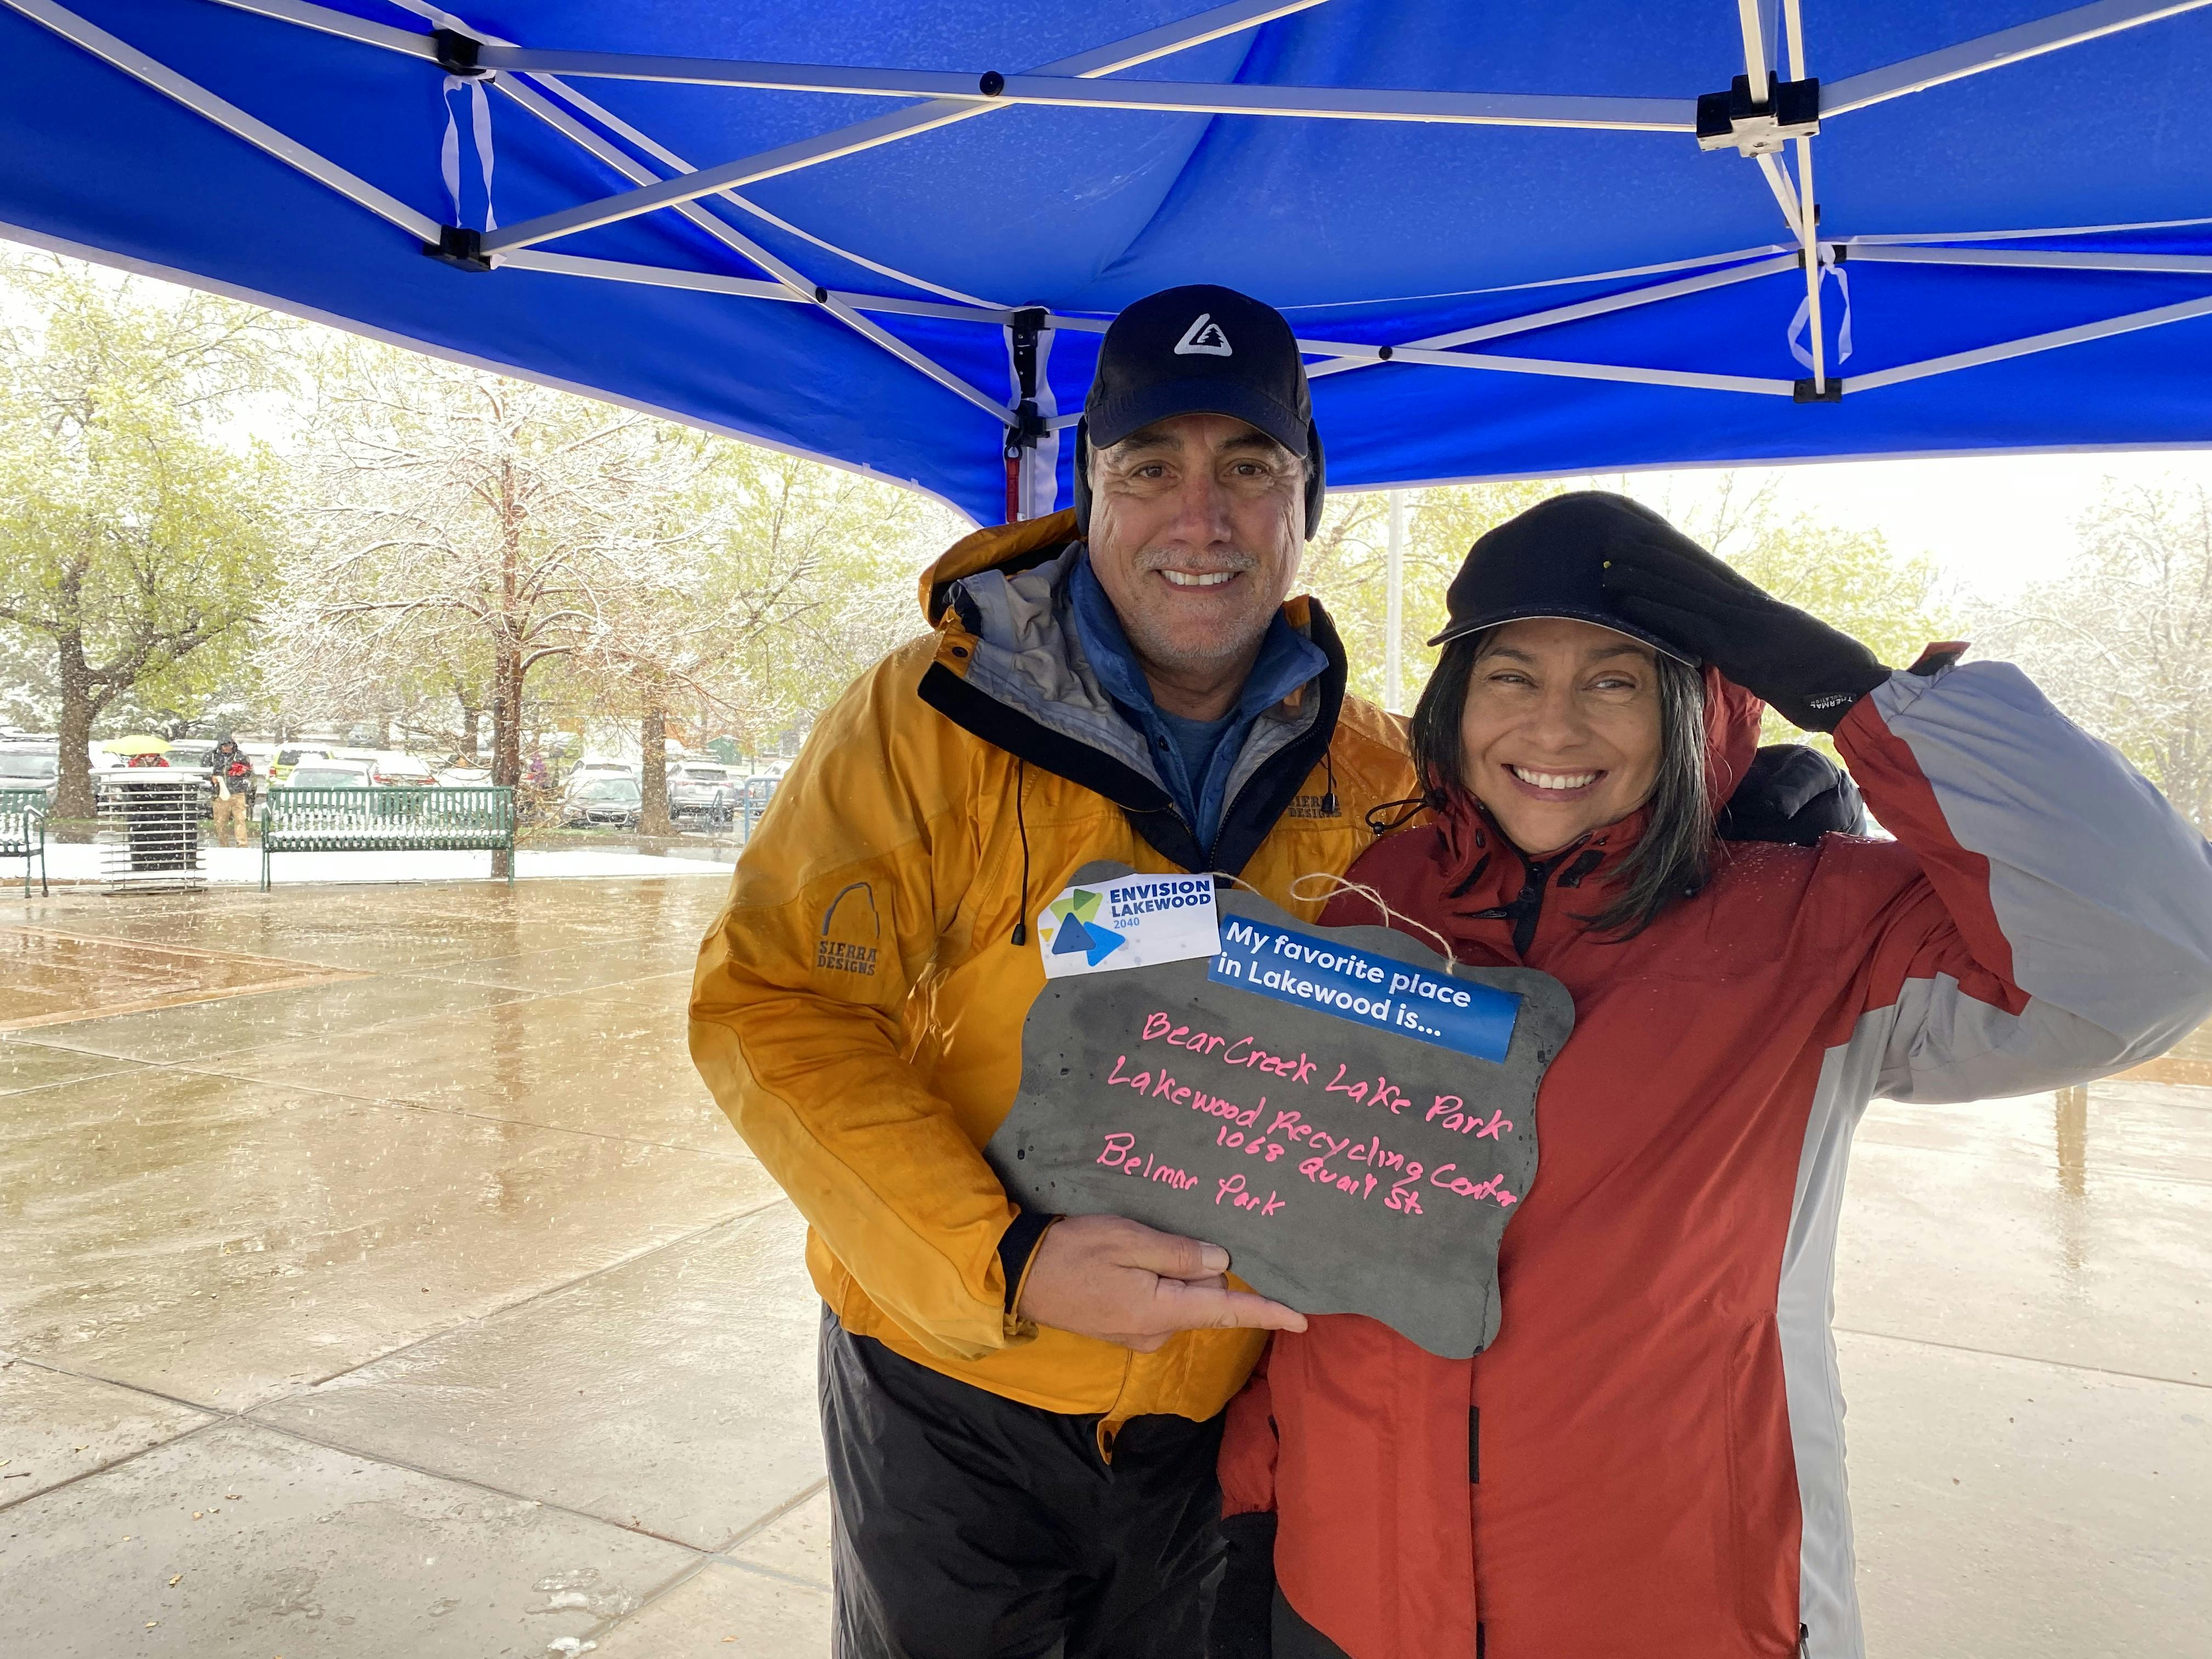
(1811, 672)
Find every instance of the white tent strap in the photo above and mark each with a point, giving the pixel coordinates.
(339, 22)
(449, 152)
(1829, 267)
(227, 115)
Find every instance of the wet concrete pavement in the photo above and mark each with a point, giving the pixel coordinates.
(434, 1309)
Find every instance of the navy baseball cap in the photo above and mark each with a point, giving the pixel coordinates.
(1548, 561)
(1199, 350)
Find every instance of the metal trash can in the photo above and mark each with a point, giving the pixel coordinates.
(149, 830)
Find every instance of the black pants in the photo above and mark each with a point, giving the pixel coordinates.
(971, 1526)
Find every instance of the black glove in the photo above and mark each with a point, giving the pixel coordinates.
(1810, 672)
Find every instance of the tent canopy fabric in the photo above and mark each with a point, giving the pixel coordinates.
(1517, 239)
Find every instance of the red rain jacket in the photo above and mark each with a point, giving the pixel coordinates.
(1649, 1458)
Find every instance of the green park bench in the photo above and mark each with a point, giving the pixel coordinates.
(23, 832)
(458, 819)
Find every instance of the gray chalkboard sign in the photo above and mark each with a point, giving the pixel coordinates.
(1353, 1120)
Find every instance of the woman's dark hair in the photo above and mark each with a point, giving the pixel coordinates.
(1674, 858)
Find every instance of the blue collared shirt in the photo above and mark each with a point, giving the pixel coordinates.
(1193, 758)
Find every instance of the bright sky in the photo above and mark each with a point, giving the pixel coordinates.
(1991, 523)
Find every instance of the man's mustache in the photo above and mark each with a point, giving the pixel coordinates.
(1208, 564)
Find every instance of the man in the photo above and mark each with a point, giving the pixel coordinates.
(231, 773)
(1021, 1412)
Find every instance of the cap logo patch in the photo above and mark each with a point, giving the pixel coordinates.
(1204, 339)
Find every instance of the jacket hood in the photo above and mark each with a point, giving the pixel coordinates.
(1732, 717)
(1007, 547)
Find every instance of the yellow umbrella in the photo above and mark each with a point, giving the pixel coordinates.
(138, 745)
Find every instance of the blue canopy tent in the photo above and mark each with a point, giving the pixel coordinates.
(1517, 239)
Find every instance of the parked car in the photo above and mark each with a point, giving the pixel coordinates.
(281, 768)
(321, 772)
(602, 802)
(29, 767)
(390, 768)
(700, 791)
(602, 768)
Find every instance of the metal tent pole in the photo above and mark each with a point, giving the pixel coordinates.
(1393, 608)
(1808, 207)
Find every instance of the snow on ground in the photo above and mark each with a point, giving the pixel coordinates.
(236, 865)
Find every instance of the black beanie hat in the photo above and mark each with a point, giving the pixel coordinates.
(1547, 562)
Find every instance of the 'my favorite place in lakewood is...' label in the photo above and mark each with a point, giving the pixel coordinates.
(1358, 985)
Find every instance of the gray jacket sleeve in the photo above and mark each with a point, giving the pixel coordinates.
(2063, 930)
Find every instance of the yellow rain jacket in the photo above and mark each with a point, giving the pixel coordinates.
(858, 1004)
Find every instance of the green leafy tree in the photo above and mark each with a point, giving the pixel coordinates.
(1847, 576)
(1346, 567)
(135, 545)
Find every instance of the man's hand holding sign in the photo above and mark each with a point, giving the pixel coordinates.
(1364, 1161)
(1121, 1281)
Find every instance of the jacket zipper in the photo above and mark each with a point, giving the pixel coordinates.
(1528, 906)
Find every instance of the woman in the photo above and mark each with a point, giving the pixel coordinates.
(1650, 1460)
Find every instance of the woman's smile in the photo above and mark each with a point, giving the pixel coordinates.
(1560, 733)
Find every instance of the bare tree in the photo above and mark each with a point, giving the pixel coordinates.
(472, 530)
(2122, 641)
(757, 606)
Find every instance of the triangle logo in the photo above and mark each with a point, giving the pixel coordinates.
(1104, 941)
(1204, 339)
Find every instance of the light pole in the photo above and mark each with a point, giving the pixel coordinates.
(1394, 607)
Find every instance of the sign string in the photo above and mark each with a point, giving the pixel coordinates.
(1381, 905)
